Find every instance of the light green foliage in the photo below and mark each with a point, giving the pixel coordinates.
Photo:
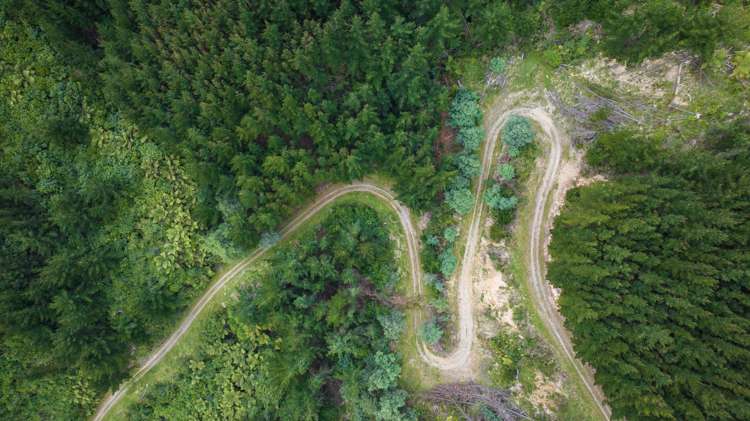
(506, 171)
(496, 197)
(385, 371)
(517, 134)
(468, 165)
(431, 332)
(440, 304)
(450, 234)
(460, 200)
(465, 111)
(393, 324)
(497, 65)
(508, 351)
(98, 239)
(471, 137)
(268, 239)
(390, 406)
(741, 63)
(217, 242)
(553, 56)
(448, 262)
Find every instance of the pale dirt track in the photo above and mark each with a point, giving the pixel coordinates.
(458, 360)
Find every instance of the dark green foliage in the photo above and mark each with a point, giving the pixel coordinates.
(624, 152)
(265, 102)
(70, 28)
(97, 243)
(309, 341)
(654, 273)
(639, 29)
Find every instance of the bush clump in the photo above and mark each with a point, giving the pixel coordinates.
(517, 134)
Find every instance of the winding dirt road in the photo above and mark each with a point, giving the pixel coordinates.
(459, 358)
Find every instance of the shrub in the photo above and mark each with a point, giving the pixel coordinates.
(450, 234)
(468, 165)
(432, 281)
(471, 137)
(460, 200)
(393, 324)
(517, 133)
(552, 57)
(741, 63)
(268, 239)
(503, 216)
(497, 197)
(506, 171)
(431, 332)
(497, 65)
(384, 373)
(465, 111)
(448, 263)
(390, 404)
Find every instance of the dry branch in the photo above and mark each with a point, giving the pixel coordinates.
(471, 394)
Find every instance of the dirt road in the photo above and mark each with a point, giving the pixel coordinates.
(459, 358)
(541, 291)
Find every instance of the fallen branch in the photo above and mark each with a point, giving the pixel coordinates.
(473, 394)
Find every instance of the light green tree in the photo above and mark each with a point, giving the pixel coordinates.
(431, 332)
(517, 134)
(506, 171)
(460, 200)
(497, 198)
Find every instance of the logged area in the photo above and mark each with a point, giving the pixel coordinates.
(388, 210)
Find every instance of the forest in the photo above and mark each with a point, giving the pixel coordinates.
(311, 341)
(146, 144)
(654, 267)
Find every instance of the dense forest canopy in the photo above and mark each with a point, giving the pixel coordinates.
(311, 341)
(654, 266)
(145, 143)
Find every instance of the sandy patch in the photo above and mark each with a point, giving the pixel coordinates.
(546, 394)
(424, 220)
(493, 293)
